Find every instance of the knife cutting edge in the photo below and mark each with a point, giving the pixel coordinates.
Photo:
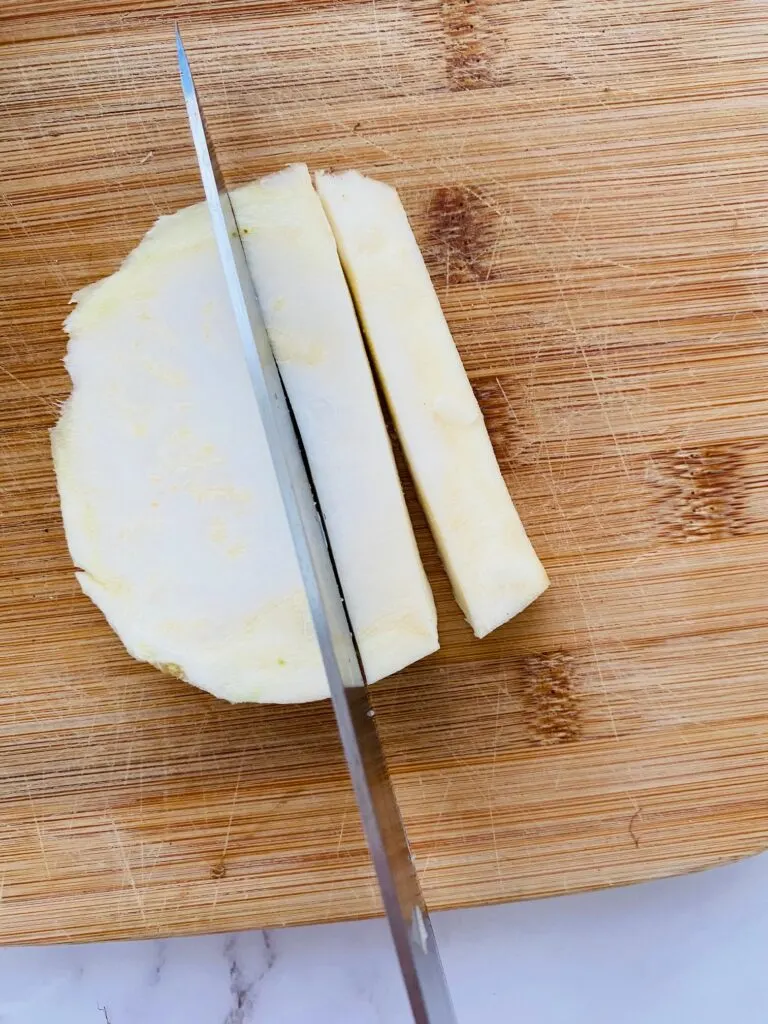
(403, 901)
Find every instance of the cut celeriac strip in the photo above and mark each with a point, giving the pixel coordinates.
(492, 565)
(316, 338)
(169, 499)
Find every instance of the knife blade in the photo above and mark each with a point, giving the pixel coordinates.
(409, 922)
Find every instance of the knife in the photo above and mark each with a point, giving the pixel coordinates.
(403, 901)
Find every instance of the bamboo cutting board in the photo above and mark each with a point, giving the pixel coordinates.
(588, 181)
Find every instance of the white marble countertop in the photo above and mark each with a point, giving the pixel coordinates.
(690, 949)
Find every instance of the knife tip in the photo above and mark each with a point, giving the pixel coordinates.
(181, 53)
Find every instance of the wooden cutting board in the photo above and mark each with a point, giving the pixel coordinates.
(588, 179)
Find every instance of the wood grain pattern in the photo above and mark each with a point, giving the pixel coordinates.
(588, 180)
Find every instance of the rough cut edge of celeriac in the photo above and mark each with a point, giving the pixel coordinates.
(169, 500)
(494, 570)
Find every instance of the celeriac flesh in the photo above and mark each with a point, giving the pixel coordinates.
(170, 503)
(493, 568)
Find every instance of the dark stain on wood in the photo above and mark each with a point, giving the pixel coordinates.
(505, 406)
(551, 705)
(460, 232)
(466, 44)
(219, 870)
(701, 492)
(499, 416)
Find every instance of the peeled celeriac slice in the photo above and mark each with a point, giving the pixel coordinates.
(170, 503)
(492, 565)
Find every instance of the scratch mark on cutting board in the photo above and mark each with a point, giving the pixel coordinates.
(377, 35)
(51, 406)
(38, 830)
(33, 239)
(434, 826)
(220, 868)
(234, 802)
(494, 839)
(341, 833)
(128, 871)
(496, 733)
(596, 655)
(576, 334)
